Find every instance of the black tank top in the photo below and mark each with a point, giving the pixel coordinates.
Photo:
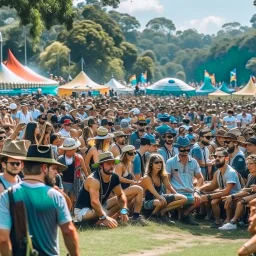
(68, 175)
(149, 195)
(84, 199)
(126, 185)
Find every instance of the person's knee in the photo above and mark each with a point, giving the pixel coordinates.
(157, 203)
(215, 203)
(138, 189)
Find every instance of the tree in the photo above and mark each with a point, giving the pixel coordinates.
(172, 69)
(253, 20)
(251, 65)
(231, 26)
(181, 75)
(129, 56)
(150, 54)
(144, 64)
(163, 24)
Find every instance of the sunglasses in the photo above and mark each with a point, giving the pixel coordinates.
(132, 153)
(110, 124)
(143, 124)
(2, 138)
(158, 162)
(14, 163)
(67, 124)
(208, 137)
(169, 137)
(215, 157)
(250, 133)
(184, 150)
(227, 141)
(123, 136)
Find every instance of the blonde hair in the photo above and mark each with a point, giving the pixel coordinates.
(149, 168)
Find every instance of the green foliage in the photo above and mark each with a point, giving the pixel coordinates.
(181, 75)
(144, 64)
(150, 54)
(162, 24)
(251, 65)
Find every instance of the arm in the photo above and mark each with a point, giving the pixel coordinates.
(168, 185)
(5, 243)
(70, 238)
(119, 172)
(115, 151)
(17, 130)
(137, 168)
(210, 186)
(83, 165)
(147, 185)
(121, 197)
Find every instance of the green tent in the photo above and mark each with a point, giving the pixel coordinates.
(224, 87)
(206, 88)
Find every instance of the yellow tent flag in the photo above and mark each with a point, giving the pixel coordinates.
(213, 79)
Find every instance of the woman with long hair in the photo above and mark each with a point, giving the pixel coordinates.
(97, 145)
(32, 132)
(155, 200)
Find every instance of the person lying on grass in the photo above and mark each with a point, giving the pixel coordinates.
(155, 200)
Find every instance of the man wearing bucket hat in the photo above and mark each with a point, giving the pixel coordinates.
(40, 199)
(182, 169)
(93, 202)
(164, 127)
(12, 156)
(120, 141)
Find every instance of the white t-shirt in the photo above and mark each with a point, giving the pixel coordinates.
(64, 133)
(244, 120)
(231, 121)
(24, 118)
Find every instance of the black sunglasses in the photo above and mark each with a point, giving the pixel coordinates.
(67, 124)
(249, 133)
(142, 124)
(2, 138)
(158, 162)
(14, 163)
(131, 153)
(227, 141)
(169, 137)
(110, 124)
(215, 157)
(208, 137)
(184, 150)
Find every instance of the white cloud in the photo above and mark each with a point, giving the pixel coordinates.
(207, 25)
(135, 6)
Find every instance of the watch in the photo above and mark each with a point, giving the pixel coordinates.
(124, 211)
(103, 217)
(232, 197)
(209, 197)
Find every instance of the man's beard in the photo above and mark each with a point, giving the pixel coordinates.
(122, 142)
(107, 171)
(231, 150)
(205, 143)
(12, 174)
(169, 142)
(42, 122)
(49, 181)
(219, 164)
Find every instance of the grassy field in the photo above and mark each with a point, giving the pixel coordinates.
(160, 240)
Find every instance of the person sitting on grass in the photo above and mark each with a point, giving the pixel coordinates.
(130, 186)
(182, 169)
(225, 181)
(153, 181)
(243, 197)
(93, 203)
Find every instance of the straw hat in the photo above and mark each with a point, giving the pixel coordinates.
(15, 149)
(70, 144)
(118, 134)
(104, 157)
(102, 134)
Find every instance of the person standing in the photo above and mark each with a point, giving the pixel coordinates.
(40, 199)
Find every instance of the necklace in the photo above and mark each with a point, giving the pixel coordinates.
(34, 180)
(101, 187)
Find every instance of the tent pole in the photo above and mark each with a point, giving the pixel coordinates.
(1, 48)
(25, 44)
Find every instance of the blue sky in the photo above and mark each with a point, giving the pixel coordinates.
(207, 16)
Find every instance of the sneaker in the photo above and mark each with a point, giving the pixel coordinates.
(164, 219)
(228, 226)
(154, 218)
(215, 225)
(199, 216)
(140, 221)
(188, 220)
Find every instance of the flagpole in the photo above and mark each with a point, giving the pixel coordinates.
(69, 64)
(25, 44)
(1, 48)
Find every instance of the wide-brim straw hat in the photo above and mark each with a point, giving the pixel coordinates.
(15, 149)
(70, 144)
(104, 157)
(102, 134)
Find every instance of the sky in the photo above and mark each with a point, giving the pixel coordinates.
(206, 16)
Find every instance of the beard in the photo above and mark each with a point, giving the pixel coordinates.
(108, 172)
(219, 164)
(12, 174)
(231, 150)
(205, 143)
(169, 142)
(121, 142)
(49, 181)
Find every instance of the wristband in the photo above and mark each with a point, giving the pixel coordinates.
(103, 217)
(209, 197)
(124, 211)
(232, 197)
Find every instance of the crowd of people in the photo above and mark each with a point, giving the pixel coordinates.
(108, 161)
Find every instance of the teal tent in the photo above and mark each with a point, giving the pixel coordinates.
(171, 86)
(206, 88)
(224, 88)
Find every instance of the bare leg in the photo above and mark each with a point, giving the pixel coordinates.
(216, 210)
(248, 248)
(180, 200)
(136, 193)
(158, 207)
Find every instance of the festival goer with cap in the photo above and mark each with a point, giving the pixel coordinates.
(236, 156)
(93, 202)
(40, 170)
(162, 112)
(218, 141)
(32, 132)
(92, 124)
(200, 152)
(153, 181)
(97, 145)
(230, 120)
(6, 120)
(243, 197)
(34, 111)
(226, 180)
(3, 137)
(66, 126)
(64, 114)
(125, 127)
(139, 163)
(81, 113)
(164, 127)
(133, 192)
(250, 146)
(135, 138)
(12, 156)
(244, 119)
(76, 172)
(247, 133)
(167, 151)
(23, 116)
(13, 111)
(182, 164)
(119, 143)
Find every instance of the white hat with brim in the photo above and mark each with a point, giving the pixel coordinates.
(70, 144)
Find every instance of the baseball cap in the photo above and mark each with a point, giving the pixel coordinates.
(251, 140)
(124, 124)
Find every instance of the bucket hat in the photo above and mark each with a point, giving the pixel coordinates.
(16, 149)
(104, 157)
(102, 134)
(169, 132)
(119, 134)
(182, 142)
(70, 144)
(12, 106)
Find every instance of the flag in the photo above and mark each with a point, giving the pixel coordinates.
(133, 80)
(206, 74)
(212, 77)
(233, 75)
(144, 77)
(253, 79)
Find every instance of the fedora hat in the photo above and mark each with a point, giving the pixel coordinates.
(102, 134)
(16, 149)
(169, 132)
(182, 142)
(127, 148)
(104, 157)
(119, 134)
(70, 144)
(43, 154)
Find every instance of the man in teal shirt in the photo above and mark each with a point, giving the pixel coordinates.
(162, 129)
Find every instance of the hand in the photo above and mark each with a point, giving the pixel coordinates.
(124, 218)
(227, 198)
(110, 222)
(253, 188)
(20, 127)
(197, 199)
(163, 201)
(204, 198)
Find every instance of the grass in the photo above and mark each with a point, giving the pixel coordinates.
(159, 240)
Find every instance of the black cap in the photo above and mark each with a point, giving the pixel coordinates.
(252, 140)
(145, 141)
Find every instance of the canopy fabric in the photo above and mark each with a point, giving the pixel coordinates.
(24, 72)
(206, 88)
(81, 83)
(219, 94)
(171, 86)
(248, 91)
(224, 87)
(117, 87)
(8, 77)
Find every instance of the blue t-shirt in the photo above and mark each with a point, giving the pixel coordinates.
(135, 140)
(138, 165)
(46, 210)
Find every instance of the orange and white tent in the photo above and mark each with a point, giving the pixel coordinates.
(248, 91)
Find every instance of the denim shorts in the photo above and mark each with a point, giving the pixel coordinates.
(149, 205)
(68, 188)
(189, 196)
